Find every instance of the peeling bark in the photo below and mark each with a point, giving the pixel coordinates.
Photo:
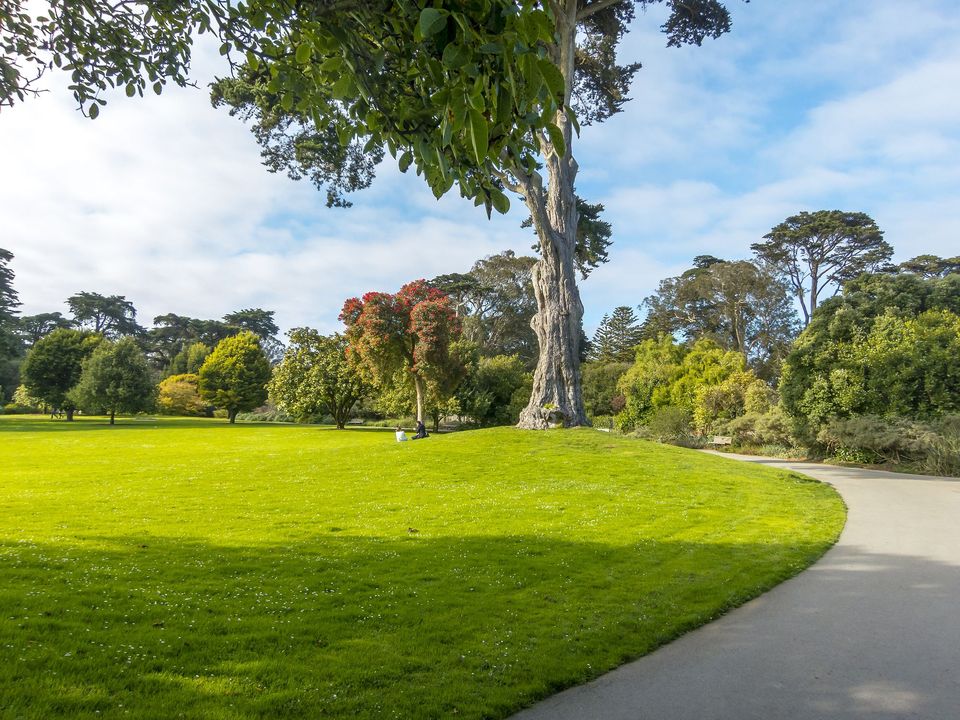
(556, 399)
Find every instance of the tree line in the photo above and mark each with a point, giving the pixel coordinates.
(868, 368)
(721, 348)
(459, 344)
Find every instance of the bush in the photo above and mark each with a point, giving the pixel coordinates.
(932, 447)
(772, 427)
(671, 424)
(271, 415)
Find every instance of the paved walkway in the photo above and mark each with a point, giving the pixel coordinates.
(870, 631)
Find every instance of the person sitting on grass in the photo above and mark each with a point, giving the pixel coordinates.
(421, 430)
(401, 435)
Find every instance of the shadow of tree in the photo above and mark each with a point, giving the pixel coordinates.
(342, 626)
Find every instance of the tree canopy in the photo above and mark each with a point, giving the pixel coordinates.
(54, 365)
(887, 346)
(410, 331)
(111, 316)
(315, 377)
(234, 376)
(115, 379)
(739, 305)
(818, 250)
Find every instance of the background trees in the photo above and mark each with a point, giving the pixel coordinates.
(739, 305)
(316, 377)
(818, 250)
(115, 378)
(235, 375)
(888, 346)
(54, 365)
(111, 316)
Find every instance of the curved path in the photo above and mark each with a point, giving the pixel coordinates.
(870, 631)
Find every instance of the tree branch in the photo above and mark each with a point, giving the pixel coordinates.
(595, 7)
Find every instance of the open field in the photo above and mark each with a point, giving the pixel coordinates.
(200, 570)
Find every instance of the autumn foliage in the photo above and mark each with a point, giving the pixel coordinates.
(410, 330)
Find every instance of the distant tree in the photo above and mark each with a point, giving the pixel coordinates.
(235, 375)
(111, 316)
(316, 377)
(9, 300)
(826, 248)
(172, 333)
(408, 331)
(54, 365)
(931, 266)
(738, 305)
(617, 336)
(189, 360)
(180, 395)
(34, 327)
(260, 323)
(115, 379)
(10, 343)
(495, 303)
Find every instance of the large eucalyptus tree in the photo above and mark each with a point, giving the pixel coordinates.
(485, 94)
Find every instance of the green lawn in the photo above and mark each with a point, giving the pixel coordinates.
(200, 570)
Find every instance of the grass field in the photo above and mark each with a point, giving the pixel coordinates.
(200, 570)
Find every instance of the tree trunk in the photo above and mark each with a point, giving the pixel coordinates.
(113, 414)
(421, 394)
(232, 416)
(69, 412)
(556, 399)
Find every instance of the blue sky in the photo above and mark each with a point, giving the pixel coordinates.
(806, 105)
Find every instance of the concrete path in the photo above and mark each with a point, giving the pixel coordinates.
(870, 631)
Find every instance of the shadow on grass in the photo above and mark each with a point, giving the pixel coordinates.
(349, 627)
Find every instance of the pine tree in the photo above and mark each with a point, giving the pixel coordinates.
(617, 336)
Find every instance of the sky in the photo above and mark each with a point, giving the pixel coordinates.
(805, 105)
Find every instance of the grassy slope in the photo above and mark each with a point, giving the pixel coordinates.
(191, 569)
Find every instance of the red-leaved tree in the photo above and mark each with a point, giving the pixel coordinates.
(411, 330)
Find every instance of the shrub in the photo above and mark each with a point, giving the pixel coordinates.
(933, 447)
(178, 395)
(670, 424)
(268, 415)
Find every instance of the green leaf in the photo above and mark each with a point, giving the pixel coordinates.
(552, 76)
(158, 87)
(478, 136)
(432, 21)
(342, 87)
(94, 111)
(501, 202)
(225, 48)
(556, 139)
(405, 161)
(131, 89)
(252, 60)
(304, 53)
(493, 48)
(286, 102)
(455, 56)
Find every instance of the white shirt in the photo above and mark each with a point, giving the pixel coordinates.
(401, 436)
